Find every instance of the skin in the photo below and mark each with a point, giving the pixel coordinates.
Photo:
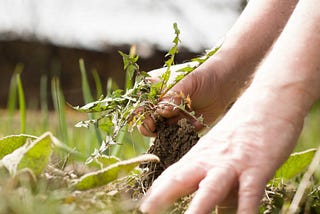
(227, 73)
(231, 164)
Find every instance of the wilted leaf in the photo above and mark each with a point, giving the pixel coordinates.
(103, 161)
(111, 173)
(33, 155)
(295, 165)
(10, 143)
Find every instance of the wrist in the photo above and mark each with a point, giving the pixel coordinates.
(279, 102)
(231, 76)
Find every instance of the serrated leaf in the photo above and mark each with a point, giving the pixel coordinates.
(176, 29)
(85, 123)
(111, 173)
(33, 155)
(186, 70)
(171, 54)
(296, 164)
(10, 143)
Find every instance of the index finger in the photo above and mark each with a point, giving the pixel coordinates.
(177, 181)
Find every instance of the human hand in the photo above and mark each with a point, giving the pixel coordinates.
(230, 166)
(210, 90)
(218, 82)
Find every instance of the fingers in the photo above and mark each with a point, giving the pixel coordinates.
(250, 191)
(165, 107)
(213, 189)
(220, 186)
(177, 181)
(147, 128)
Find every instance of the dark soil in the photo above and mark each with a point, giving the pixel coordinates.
(170, 144)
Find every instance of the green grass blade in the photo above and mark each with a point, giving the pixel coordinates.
(111, 86)
(59, 106)
(12, 96)
(98, 83)
(87, 96)
(44, 101)
(22, 104)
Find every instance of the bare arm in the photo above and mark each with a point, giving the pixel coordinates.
(247, 42)
(218, 82)
(231, 164)
(292, 69)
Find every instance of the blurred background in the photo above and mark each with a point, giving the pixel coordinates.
(48, 37)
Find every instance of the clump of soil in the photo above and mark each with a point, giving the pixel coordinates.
(171, 143)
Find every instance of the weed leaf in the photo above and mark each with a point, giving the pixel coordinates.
(112, 172)
(123, 110)
(103, 161)
(171, 54)
(33, 155)
(295, 165)
(130, 66)
(10, 143)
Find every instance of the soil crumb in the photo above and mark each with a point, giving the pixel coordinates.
(170, 144)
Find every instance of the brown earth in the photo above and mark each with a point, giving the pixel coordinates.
(171, 143)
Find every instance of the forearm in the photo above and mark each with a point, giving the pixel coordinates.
(255, 31)
(286, 84)
(292, 68)
(248, 41)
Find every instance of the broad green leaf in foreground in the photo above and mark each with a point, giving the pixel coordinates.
(33, 155)
(111, 173)
(10, 143)
(295, 165)
(103, 161)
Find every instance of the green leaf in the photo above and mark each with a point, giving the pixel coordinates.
(59, 107)
(130, 66)
(12, 96)
(176, 30)
(22, 103)
(112, 172)
(295, 165)
(86, 92)
(103, 161)
(10, 143)
(33, 155)
(98, 84)
(208, 54)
